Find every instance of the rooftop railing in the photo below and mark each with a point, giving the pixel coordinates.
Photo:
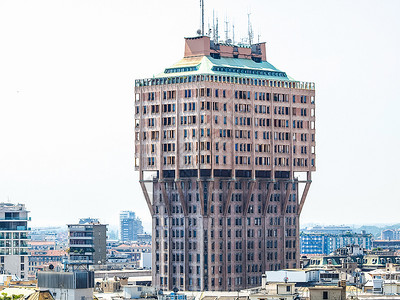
(226, 79)
(16, 219)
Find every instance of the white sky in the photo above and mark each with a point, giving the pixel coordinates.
(67, 71)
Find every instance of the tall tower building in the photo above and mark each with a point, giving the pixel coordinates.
(130, 226)
(221, 139)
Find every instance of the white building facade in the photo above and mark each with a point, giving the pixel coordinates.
(14, 236)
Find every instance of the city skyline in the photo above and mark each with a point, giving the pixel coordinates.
(69, 71)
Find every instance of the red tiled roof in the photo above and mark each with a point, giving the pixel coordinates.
(38, 243)
(48, 252)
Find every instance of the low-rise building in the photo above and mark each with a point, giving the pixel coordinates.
(276, 291)
(138, 291)
(348, 260)
(391, 245)
(40, 260)
(390, 234)
(42, 245)
(68, 285)
(144, 238)
(327, 293)
(129, 255)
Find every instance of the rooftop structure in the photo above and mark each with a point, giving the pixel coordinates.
(89, 221)
(67, 285)
(329, 229)
(222, 138)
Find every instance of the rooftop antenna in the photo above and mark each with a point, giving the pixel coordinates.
(216, 30)
(202, 16)
(233, 33)
(249, 29)
(226, 30)
(213, 28)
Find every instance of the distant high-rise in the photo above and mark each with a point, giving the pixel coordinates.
(130, 226)
(14, 236)
(87, 243)
(221, 139)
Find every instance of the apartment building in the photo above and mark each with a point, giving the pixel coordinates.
(14, 238)
(87, 243)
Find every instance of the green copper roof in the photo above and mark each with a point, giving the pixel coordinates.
(225, 66)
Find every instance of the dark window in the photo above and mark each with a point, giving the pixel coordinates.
(324, 295)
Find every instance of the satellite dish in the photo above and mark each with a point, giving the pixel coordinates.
(51, 267)
(198, 31)
(175, 290)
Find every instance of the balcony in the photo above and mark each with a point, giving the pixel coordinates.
(14, 228)
(15, 219)
(71, 237)
(71, 245)
(80, 251)
(79, 262)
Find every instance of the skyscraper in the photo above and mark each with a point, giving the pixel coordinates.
(221, 139)
(130, 226)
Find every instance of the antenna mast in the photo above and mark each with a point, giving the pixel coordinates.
(202, 16)
(250, 29)
(216, 30)
(213, 27)
(233, 33)
(226, 30)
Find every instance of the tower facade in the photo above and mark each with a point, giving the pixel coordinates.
(222, 140)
